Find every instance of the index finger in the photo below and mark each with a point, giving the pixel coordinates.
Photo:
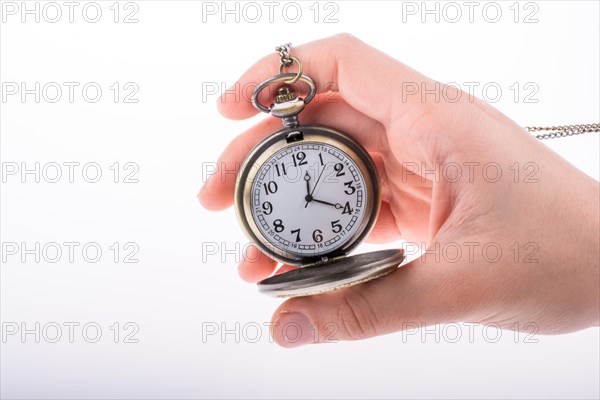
(365, 77)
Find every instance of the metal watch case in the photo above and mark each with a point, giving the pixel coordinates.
(327, 271)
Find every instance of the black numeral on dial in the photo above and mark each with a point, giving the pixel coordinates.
(318, 236)
(335, 226)
(267, 207)
(278, 225)
(270, 187)
(299, 159)
(280, 170)
(297, 232)
(347, 208)
(351, 189)
(339, 169)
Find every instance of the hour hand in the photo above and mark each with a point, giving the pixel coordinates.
(308, 196)
(307, 179)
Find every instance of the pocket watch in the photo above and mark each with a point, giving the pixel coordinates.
(307, 195)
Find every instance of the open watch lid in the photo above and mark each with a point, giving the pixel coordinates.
(335, 274)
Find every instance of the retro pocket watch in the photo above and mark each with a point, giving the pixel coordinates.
(307, 195)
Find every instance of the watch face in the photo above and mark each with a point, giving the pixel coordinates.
(308, 199)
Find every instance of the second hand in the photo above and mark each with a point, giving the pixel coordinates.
(309, 198)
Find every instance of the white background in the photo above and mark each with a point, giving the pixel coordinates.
(175, 53)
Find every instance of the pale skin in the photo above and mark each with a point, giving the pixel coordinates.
(553, 283)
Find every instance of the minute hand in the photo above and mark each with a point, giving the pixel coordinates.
(336, 205)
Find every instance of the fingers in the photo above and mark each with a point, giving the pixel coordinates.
(217, 193)
(416, 293)
(361, 74)
(385, 229)
(256, 266)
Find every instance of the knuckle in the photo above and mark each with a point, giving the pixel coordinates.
(356, 316)
(346, 38)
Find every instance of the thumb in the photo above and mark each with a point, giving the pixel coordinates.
(421, 292)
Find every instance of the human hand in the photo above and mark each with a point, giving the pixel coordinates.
(518, 248)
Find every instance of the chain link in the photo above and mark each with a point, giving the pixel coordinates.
(552, 132)
(284, 54)
(286, 61)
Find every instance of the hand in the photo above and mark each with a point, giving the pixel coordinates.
(308, 196)
(499, 250)
(307, 179)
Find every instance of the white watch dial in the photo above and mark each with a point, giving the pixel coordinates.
(308, 199)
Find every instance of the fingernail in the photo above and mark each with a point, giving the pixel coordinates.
(293, 329)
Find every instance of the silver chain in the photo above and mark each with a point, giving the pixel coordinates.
(552, 132)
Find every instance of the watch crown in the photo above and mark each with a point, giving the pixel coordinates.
(285, 94)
